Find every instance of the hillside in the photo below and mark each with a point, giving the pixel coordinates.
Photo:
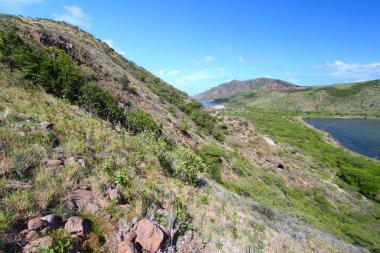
(225, 90)
(343, 99)
(99, 155)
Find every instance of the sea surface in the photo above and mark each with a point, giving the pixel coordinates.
(209, 104)
(359, 135)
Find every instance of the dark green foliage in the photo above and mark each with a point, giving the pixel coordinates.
(53, 70)
(212, 156)
(102, 103)
(203, 119)
(124, 81)
(347, 92)
(137, 121)
(57, 74)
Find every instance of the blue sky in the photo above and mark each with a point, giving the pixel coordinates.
(197, 44)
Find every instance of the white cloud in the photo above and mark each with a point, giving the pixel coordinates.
(74, 15)
(204, 60)
(171, 73)
(201, 75)
(354, 70)
(110, 43)
(17, 5)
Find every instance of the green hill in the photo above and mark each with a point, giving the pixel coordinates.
(343, 99)
(99, 155)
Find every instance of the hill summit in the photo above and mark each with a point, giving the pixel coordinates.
(235, 86)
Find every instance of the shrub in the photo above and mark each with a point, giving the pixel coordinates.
(202, 119)
(102, 103)
(138, 121)
(124, 81)
(186, 164)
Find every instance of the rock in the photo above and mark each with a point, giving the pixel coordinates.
(77, 226)
(34, 246)
(92, 208)
(86, 201)
(377, 198)
(115, 194)
(52, 220)
(149, 235)
(22, 116)
(24, 232)
(35, 224)
(266, 243)
(53, 162)
(46, 125)
(126, 247)
(31, 236)
(130, 236)
(70, 161)
(280, 166)
(189, 243)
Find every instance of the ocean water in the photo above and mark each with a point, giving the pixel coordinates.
(359, 135)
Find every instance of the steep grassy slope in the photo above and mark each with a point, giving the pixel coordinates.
(342, 99)
(79, 122)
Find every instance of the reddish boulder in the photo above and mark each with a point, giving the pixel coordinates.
(126, 247)
(77, 226)
(35, 224)
(149, 235)
(34, 246)
(31, 236)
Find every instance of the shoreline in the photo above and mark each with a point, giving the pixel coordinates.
(333, 140)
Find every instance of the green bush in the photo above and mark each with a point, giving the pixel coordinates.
(102, 103)
(138, 121)
(203, 119)
(186, 164)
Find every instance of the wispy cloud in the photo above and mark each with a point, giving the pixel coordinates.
(74, 15)
(353, 71)
(17, 5)
(110, 43)
(205, 60)
(168, 73)
(241, 60)
(201, 75)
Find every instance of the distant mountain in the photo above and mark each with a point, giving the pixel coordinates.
(361, 98)
(227, 89)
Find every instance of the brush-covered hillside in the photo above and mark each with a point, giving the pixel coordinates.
(99, 155)
(343, 99)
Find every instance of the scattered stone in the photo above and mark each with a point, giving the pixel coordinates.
(31, 236)
(149, 235)
(11, 184)
(130, 236)
(34, 246)
(189, 243)
(53, 162)
(266, 243)
(87, 200)
(35, 224)
(52, 220)
(115, 194)
(24, 232)
(46, 125)
(126, 247)
(77, 226)
(22, 116)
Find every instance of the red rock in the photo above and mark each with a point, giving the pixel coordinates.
(31, 236)
(130, 236)
(24, 232)
(76, 226)
(35, 224)
(34, 246)
(149, 235)
(126, 247)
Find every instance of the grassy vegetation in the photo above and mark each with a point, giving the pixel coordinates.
(314, 205)
(359, 172)
(55, 72)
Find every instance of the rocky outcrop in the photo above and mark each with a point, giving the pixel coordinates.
(77, 226)
(149, 235)
(35, 246)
